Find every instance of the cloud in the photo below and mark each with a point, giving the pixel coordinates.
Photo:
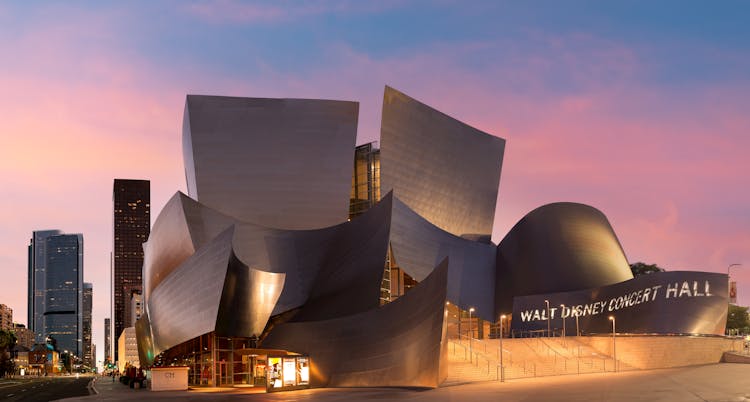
(234, 11)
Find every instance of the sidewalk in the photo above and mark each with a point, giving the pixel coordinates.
(714, 382)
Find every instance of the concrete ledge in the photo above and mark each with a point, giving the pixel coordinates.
(733, 357)
(663, 351)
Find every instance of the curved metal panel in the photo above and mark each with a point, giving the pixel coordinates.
(186, 303)
(419, 245)
(248, 298)
(398, 344)
(283, 163)
(319, 263)
(168, 245)
(675, 302)
(557, 248)
(145, 340)
(351, 269)
(443, 169)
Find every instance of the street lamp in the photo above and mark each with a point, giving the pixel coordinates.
(548, 326)
(562, 314)
(502, 370)
(614, 345)
(578, 333)
(471, 310)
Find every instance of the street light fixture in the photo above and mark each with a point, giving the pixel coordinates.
(502, 369)
(562, 314)
(471, 310)
(614, 344)
(548, 324)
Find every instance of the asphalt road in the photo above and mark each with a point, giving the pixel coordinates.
(43, 389)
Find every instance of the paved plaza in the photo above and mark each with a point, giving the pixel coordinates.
(715, 382)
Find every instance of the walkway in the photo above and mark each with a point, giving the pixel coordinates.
(715, 382)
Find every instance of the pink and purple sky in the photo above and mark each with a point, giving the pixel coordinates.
(637, 108)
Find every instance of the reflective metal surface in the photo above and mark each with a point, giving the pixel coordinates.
(419, 245)
(443, 169)
(398, 344)
(283, 163)
(556, 248)
(675, 302)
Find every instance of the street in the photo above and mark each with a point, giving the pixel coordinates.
(40, 389)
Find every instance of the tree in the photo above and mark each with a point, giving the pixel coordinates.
(640, 268)
(737, 319)
(7, 342)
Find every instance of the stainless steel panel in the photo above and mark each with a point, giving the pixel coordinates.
(212, 291)
(443, 169)
(557, 248)
(419, 245)
(398, 344)
(674, 302)
(186, 302)
(282, 163)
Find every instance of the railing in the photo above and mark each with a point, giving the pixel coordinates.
(546, 360)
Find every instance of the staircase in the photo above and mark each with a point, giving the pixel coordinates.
(523, 358)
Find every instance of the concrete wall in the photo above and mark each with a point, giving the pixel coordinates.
(650, 352)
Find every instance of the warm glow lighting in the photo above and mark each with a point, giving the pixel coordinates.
(471, 309)
(611, 318)
(502, 317)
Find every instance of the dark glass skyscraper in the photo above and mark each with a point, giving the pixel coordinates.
(88, 292)
(132, 225)
(63, 312)
(37, 288)
(107, 340)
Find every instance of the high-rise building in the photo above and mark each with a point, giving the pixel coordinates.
(6, 317)
(132, 225)
(136, 309)
(36, 290)
(88, 292)
(108, 340)
(63, 302)
(24, 335)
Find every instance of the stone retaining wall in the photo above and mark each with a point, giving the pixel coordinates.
(651, 352)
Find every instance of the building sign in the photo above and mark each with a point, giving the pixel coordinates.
(169, 378)
(286, 373)
(733, 292)
(664, 302)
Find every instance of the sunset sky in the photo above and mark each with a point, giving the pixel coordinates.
(640, 109)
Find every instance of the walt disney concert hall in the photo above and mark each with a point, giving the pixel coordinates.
(299, 259)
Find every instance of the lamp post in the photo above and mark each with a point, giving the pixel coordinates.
(562, 314)
(548, 326)
(578, 333)
(471, 310)
(614, 344)
(502, 370)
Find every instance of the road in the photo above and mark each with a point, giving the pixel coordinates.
(42, 389)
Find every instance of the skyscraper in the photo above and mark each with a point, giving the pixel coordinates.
(88, 292)
(107, 340)
(63, 310)
(131, 224)
(36, 291)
